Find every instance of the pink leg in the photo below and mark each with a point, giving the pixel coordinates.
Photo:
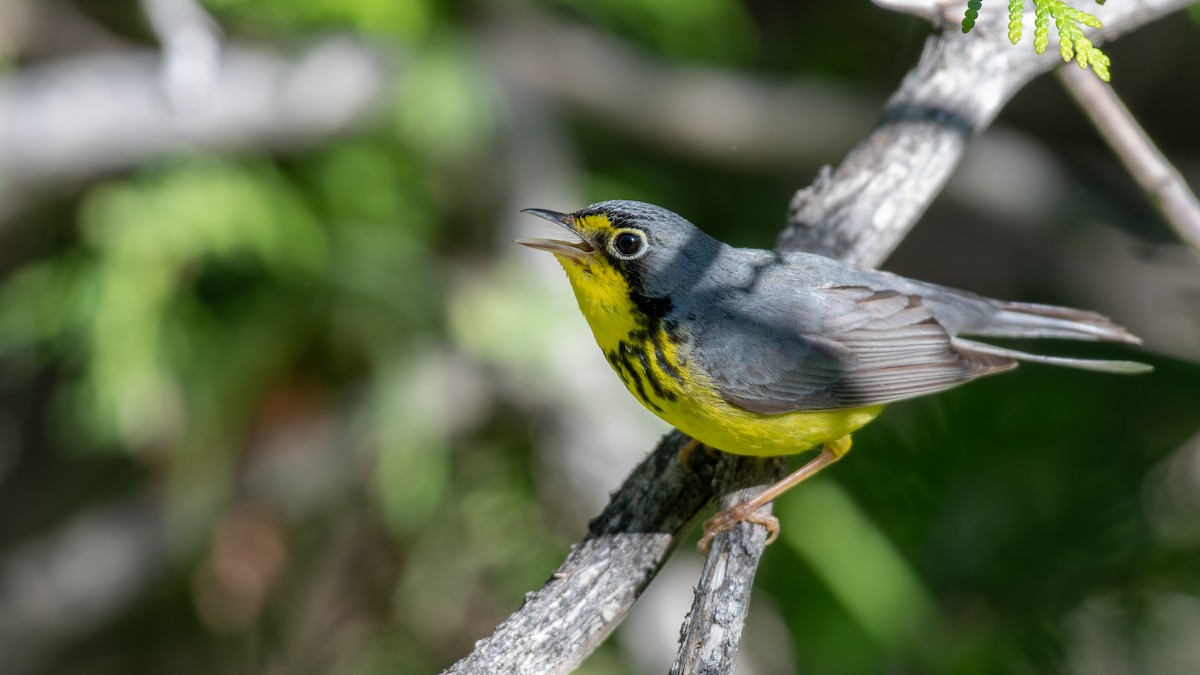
(748, 511)
(685, 453)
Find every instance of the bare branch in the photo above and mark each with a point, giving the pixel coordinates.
(590, 593)
(1161, 181)
(71, 121)
(713, 629)
(961, 82)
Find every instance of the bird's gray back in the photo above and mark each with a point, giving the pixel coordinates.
(791, 331)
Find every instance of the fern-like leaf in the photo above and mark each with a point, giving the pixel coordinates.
(971, 15)
(1016, 17)
(1041, 26)
(1068, 23)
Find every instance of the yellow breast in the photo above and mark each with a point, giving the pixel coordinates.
(650, 358)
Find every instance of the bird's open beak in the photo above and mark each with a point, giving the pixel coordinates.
(576, 250)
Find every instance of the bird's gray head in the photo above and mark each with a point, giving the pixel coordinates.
(653, 250)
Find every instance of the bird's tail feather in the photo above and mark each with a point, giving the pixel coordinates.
(1122, 367)
(1022, 319)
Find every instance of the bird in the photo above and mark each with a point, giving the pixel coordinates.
(769, 353)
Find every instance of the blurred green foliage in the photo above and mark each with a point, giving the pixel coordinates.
(718, 31)
(332, 390)
(410, 19)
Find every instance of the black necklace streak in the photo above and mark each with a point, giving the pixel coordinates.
(659, 338)
(647, 342)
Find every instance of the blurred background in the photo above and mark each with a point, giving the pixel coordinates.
(278, 394)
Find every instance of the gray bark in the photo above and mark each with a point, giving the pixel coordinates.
(712, 631)
(591, 592)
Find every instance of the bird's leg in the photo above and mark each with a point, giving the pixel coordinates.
(685, 453)
(748, 511)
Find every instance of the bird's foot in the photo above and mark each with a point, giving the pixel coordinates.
(748, 511)
(726, 520)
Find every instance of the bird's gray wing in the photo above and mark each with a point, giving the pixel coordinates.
(842, 347)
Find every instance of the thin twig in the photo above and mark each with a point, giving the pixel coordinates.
(1161, 181)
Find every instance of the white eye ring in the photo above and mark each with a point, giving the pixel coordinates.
(628, 244)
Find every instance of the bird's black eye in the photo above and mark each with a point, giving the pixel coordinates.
(629, 244)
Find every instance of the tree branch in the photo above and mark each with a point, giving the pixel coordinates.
(71, 121)
(858, 213)
(1162, 183)
(861, 211)
(590, 593)
(712, 631)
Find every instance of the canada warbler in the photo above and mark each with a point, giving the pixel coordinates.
(769, 353)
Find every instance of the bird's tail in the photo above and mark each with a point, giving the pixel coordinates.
(1104, 366)
(1028, 320)
(1025, 319)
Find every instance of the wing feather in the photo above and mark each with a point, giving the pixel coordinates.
(870, 347)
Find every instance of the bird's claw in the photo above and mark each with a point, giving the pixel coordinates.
(726, 520)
